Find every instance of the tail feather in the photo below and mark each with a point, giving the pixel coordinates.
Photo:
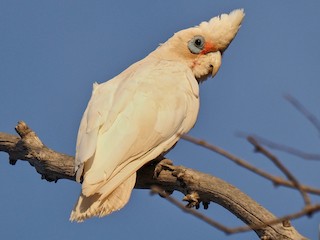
(100, 204)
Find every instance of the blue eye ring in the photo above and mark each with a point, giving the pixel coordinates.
(196, 44)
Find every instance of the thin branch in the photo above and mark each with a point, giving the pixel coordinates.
(274, 179)
(307, 211)
(284, 220)
(282, 147)
(222, 152)
(312, 118)
(192, 211)
(277, 162)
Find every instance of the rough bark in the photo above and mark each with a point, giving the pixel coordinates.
(53, 166)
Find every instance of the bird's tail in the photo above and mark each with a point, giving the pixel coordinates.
(101, 204)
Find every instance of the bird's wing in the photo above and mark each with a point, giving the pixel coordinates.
(99, 108)
(139, 117)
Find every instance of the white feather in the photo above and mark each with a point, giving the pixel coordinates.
(131, 122)
(140, 114)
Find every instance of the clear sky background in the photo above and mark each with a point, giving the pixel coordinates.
(52, 51)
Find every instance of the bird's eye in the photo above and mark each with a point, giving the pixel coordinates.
(196, 44)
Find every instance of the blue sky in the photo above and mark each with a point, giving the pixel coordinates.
(52, 51)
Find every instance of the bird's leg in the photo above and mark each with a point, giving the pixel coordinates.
(194, 200)
(192, 197)
(163, 164)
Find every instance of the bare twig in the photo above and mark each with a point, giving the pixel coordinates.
(307, 211)
(192, 211)
(282, 147)
(277, 162)
(284, 220)
(276, 180)
(228, 155)
(312, 118)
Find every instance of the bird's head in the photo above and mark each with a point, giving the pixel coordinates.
(201, 47)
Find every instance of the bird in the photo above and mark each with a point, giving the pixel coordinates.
(141, 113)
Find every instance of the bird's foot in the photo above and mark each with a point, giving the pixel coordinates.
(164, 164)
(193, 200)
(49, 178)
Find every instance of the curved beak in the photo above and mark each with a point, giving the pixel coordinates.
(215, 62)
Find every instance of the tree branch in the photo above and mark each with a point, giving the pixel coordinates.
(241, 162)
(281, 147)
(312, 118)
(276, 161)
(53, 165)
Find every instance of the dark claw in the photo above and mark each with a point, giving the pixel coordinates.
(12, 161)
(43, 176)
(205, 205)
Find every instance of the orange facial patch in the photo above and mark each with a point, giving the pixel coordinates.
(208, 47)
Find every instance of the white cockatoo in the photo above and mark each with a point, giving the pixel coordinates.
(141, 113)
